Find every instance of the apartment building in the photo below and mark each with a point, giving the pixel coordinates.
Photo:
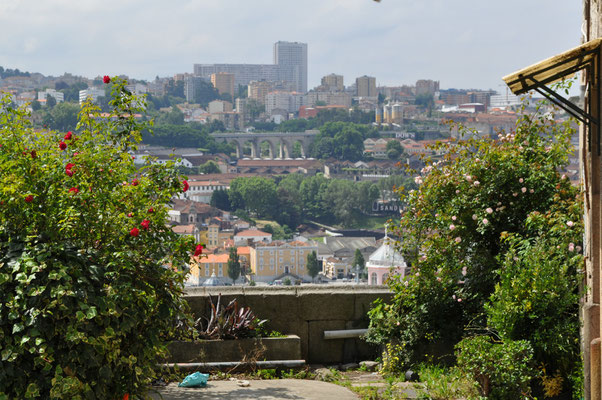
(273, 260)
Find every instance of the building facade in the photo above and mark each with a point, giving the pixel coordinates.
(291, 58)
(275, 259)
(223, 82)
(366, 86)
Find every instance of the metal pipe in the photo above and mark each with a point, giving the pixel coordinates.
(231, 365)
(344, 334)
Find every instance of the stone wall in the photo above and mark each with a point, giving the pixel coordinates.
(306, 311)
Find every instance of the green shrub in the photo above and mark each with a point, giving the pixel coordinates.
(537, 297)
(502, 370)
(452, 228)
(90, 275)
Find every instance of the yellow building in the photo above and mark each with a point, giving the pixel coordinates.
(258, 90)
(223, 82)
(217, 237)
(272, 260)
(336, 268)
(201, 268)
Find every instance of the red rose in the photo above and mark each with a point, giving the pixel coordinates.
(33, 154)
(62, 145)
(74, 190)
(186, 185)
(145, 224)
(134, 232)
(69, 172)
(199, 250)
(68, 135)
(135, 182)
(69, 165)
(29, 198)
(130, 215)
(151, 210)
(106, 79)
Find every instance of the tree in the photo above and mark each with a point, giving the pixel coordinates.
(220, 199)
(62, 117)
(358, 260)
(210, 167)
(50, 101)
(255, 108)
(258, 194)
(233, 265)
(88, 286)
(313, 267)
(394, 149)
(35, 105)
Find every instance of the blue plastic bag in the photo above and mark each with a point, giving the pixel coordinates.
(195, 380)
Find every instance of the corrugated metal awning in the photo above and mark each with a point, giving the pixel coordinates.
(553, 69)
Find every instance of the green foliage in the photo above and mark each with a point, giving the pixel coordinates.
(86, 297)
(342, 140)
(537, 297)
(394, 149)
(358, 259)
(445, 383)
(188, 135)
(7, 73)
(313, 267)
(502, 370)
(296, 198)
(287, 282)
(220, 199)
(233, 265)
(62, 117)
(210, 167)
(484, 204)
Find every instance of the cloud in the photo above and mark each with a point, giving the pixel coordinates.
(465, 43)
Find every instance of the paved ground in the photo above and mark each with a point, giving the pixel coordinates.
(273, 389)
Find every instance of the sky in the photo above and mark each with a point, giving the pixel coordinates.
(461, 43)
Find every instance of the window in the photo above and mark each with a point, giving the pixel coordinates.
(373, 279)
(206, 270)
(220, 270)
(271, 267)
(271, 252)
(280, 259)
(292, 252)
(271, 261)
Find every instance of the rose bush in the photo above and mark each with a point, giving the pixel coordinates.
(483, 216)
(86, 297)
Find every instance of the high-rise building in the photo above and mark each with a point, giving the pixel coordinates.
(290, 65)
(291, 58)
(426, 86)
(333, 82)
(366, 86)
(223, 82)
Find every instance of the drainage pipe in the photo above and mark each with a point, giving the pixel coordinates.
(344, 334)
(231, 365)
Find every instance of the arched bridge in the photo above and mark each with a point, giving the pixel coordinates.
(280, 143)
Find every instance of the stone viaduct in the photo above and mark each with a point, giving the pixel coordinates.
(280, 143)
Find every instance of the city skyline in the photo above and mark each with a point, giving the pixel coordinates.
(467, 45)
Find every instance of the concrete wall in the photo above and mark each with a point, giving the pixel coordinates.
(306, 311)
